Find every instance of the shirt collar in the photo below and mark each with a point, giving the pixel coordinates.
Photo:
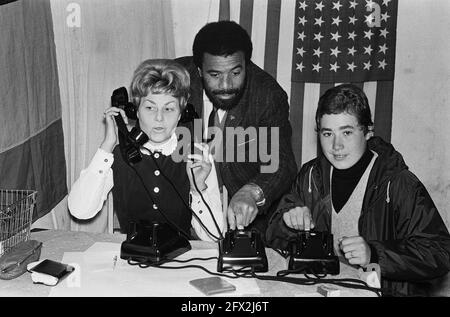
(166, 148)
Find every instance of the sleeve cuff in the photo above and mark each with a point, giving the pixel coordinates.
(101, 162)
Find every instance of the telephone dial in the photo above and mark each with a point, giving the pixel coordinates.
(131, 141)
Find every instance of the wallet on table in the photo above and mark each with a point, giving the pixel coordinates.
(49, 272)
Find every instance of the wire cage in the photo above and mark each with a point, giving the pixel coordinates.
(16, 214)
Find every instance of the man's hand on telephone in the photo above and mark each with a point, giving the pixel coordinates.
(111, 136)
(242, 209)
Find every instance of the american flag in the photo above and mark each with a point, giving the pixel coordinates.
(312, 45)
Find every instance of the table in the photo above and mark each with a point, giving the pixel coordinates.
(56, 242)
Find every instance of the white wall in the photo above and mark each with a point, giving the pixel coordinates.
(188, 17)
(421, 110)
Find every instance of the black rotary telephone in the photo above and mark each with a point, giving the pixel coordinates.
(131, 141)
(313, 252)
(149, 243)
(242, 248)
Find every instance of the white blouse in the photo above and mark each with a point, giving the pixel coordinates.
(90, 190)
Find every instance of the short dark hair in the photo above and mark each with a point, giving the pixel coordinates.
(221, 38)
(345, 98)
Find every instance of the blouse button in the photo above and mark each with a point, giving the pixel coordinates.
(200, 211)
(106, 160)
(157, 172)
(100, 171)
(156, 189)
(156, 155)
(155, 206)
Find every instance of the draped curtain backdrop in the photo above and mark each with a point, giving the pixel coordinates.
(99, 43)
(31, 135)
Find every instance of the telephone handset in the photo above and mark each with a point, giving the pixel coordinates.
(189, 114)
(130, 142)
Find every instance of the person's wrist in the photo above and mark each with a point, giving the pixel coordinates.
(107, 146)
(257, 194)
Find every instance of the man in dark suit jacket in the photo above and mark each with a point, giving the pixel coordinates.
(242, 96)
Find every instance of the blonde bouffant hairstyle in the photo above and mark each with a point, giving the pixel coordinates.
(160, 76)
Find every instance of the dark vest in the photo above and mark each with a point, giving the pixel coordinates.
(132, 203)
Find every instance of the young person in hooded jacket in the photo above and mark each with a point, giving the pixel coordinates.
(361, 190)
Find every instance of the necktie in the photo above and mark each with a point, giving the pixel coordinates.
(211, 121)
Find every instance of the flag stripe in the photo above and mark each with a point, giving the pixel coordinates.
(272, 34)
(296, 119)
(309, 143)
(370, 89)
(224, 10)
(235, 10)
(383, 109)
(259, 31)
(285, 44)
(246, 15)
